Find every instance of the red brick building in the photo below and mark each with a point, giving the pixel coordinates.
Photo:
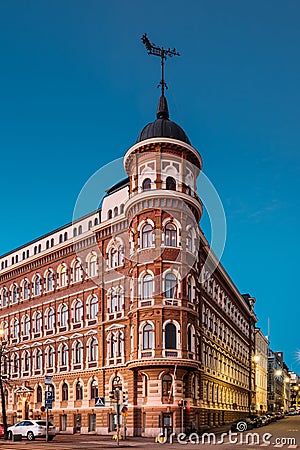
(130, 291)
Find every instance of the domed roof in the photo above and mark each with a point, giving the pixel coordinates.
(163, 126)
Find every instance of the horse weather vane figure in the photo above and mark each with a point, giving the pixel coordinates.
(153, 49)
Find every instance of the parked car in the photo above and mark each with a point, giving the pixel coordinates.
(271, 417)
(256, 420)
(265, 420)
(1, 430)
(242, 425)
(32, 429)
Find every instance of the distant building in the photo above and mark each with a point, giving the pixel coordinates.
(294, 390)
(278, 383)
(261, 371)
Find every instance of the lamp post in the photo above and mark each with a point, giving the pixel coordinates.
(4, 418)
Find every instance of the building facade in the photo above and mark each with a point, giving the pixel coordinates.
(278, 383)
(130, 296)
(261, 372)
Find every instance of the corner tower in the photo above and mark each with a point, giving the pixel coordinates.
(163, 212)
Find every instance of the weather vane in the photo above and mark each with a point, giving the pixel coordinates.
(153, 49)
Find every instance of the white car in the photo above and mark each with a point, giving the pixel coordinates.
(32, 429)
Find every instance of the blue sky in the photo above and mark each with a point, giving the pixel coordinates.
(76, 87)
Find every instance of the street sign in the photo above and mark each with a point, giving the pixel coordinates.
(99, 401)
(48, 400)
(48, 380)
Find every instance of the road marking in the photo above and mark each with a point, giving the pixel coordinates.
(292, 446)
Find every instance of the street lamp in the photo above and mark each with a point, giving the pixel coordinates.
(4, 418)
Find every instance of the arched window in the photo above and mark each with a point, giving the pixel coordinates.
(50, 281)
(93, 308)
(77, 272)
(52, 242)
(37, 285)
(64, 355)
(167, 384)
(51, 319)
(65, 236)
(14, 294)
(65, 392)
(147, 184)
(78, 311)
(5, 297)
(170, 285)
(39, 394)
(170, 184)
(38, 322)
(92, 266)
(51, 353)
(148, 334)
(26, 325)
(26, 361)
(16, 329)
(147, 287)
(47, 245)
(64, 316)
(116, 255)
(147, 236)
(38, 359)
(122, 208)
(78, 352)
(62, 275)
(74, 232)
(93, 356)
(79, 391)
(109, 214)
(94, 389)
(26, 290)
(16, 364)
(116, 210)
(170, 336)
(189, 241)
(170, 235)
(60, 238)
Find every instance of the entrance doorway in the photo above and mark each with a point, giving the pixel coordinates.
(77, 423)
(167, 423)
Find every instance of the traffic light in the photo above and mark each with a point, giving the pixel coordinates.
(125, 397)
(182, 403)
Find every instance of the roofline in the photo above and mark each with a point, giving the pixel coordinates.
(50, 233)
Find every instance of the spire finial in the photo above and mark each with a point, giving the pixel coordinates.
(153, 49)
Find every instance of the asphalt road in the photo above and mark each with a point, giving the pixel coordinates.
(283, 434)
